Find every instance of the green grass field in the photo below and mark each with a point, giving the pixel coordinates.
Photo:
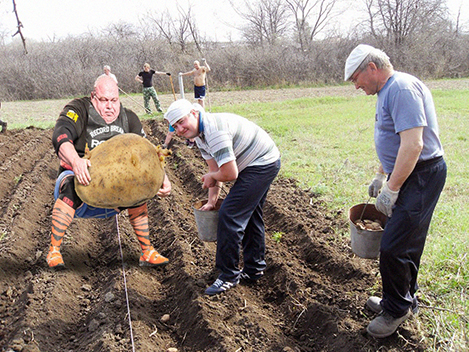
(327, 145)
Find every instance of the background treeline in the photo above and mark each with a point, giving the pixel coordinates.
(284, 42)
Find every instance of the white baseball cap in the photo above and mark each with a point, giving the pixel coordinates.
(355, 58)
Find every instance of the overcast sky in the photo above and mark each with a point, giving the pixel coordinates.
(49, 19)
(46, 19)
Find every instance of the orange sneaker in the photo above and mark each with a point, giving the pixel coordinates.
(54, 258)
(152, 258)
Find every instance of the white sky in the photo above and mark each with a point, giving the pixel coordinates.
(46, 19)
(49, 19)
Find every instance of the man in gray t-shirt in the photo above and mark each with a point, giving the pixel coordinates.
(411, 156)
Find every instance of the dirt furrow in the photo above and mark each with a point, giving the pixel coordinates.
(17, 162)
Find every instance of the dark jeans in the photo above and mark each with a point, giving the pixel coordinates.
(241, 223)
(405, 234)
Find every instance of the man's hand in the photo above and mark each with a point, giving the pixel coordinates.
(376, 185)
(207, 207)
(165, 189)
(180, 73)
(168, 73)
(80, 169)
(386, 200)
(208, 181)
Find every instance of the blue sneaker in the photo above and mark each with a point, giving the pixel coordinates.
(220, 286)
(251, 277)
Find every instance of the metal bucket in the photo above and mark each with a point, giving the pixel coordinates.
(207, 221)
(365, 243)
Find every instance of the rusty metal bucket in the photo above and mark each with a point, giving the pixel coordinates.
(365, 243)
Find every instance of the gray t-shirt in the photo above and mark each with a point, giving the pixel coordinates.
(404, 103)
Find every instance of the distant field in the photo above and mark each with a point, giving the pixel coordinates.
(43, 113)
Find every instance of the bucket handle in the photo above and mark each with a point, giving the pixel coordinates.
(226, 193)
(363, 211)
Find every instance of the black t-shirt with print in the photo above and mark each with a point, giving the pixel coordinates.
(80, 124)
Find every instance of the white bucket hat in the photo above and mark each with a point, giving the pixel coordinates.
(177, 110)
(355, 58)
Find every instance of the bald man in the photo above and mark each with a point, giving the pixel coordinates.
(85, 123)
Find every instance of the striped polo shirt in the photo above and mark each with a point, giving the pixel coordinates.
(226, 137)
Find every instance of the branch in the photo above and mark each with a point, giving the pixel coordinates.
(19, 26)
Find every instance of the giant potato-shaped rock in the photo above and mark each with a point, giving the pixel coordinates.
(126, 170)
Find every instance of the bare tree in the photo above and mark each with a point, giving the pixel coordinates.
(120, 30)
(192, 26)
(164, 26)
(4, 33)
(19, 26)
(457, 24)
(182, 30)
(267, 20)
(398, 20)
(311, 16)
(177, 30)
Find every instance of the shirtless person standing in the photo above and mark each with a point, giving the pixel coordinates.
(199, 73)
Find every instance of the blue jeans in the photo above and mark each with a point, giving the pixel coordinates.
(405, 234)
(84, 210)
(241, 222)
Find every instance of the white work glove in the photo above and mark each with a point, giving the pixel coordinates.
(180, 73)
(386, 200)
(376, 185)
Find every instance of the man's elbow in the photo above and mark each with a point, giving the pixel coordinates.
(417, 145)
(231, 176)
(419, 148)
(414, 148)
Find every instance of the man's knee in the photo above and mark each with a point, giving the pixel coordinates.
(67, 192)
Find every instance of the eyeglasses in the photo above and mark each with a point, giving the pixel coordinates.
(354, 77)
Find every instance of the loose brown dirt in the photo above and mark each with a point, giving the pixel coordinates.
(312, 297)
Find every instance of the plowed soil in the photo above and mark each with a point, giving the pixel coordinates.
(312, 297)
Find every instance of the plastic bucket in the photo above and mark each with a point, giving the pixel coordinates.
(365, 243)
(207, 221)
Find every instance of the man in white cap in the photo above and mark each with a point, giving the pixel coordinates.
(409, 181)
(107, 72)
(235, 149)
